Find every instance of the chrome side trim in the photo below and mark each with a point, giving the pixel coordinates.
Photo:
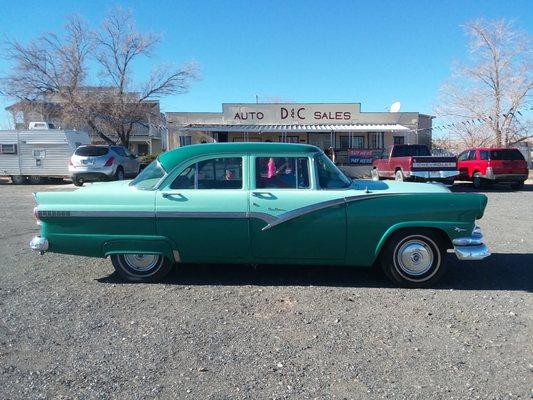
(478, 252)
(95, 214)
(262, 216)
(303, 211)
(196, 214)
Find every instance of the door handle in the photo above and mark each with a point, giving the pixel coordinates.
(169, 195)
(259, 194)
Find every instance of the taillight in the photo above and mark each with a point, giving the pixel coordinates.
(109, 162)
(35, 210)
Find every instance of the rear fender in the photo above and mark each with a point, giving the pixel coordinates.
(141, 246)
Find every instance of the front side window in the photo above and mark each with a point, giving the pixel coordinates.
(282, 173)
(463, 156)
(215, 173)
(472, 155)
(149, 177)
(329, 176)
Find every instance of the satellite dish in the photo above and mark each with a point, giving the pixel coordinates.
(395, 107)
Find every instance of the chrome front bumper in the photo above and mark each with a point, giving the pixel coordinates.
(39, 244)
(471, 247)
(433, 174)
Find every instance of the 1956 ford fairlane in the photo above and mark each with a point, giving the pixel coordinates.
(261, 203)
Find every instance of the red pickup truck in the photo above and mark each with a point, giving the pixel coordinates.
(415, 162)
(491, 165)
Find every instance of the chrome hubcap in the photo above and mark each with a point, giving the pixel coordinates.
(141, 262)
(415, 257)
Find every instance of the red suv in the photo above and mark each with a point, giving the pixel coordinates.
(491, 165)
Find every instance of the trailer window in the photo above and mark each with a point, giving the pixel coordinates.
(8, 148)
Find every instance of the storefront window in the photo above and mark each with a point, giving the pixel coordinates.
(399, 140)
(358, 142)
(289, 139)
(282, 172)
(344, 142)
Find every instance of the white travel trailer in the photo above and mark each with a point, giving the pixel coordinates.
(32, 155)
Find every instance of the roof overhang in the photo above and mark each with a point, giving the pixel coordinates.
(295, 128)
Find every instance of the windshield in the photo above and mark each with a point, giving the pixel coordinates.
(329, 176)
(91, 151)
(149, 176)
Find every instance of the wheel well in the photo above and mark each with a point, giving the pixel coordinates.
(441, 234)
(398, 169)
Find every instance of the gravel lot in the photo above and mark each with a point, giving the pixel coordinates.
(70, 329)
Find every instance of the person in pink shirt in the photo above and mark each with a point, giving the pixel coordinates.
(271, 168)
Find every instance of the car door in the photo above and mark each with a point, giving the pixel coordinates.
(290, 219)
(204, 210)
(462, 165)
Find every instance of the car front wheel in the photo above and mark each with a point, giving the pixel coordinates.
(414, 258)
(141, 267)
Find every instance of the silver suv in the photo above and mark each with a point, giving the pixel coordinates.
(96, 163)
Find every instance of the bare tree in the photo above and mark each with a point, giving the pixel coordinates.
(491, 88)
(55, 70)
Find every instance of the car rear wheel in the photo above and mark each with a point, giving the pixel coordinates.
(141, 267)
(414, 258)
(478, 181)
(399, 176)
(77, 181)
(119, 175)
(375, 174)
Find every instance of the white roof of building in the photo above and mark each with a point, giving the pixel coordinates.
(295, 128)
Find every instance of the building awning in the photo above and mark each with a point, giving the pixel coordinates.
(297, 128)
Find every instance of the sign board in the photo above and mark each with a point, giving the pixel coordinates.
(363, 157)
(290, 113)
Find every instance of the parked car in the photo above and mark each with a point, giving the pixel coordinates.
(271, 203)
(487, 165)
(414, 162)
(97, 163)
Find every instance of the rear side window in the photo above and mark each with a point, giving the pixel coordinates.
(483, 154)
(216, 173)
(410, 151)
(91, 151)
(282, 172)
(120, 151)
(506, 154)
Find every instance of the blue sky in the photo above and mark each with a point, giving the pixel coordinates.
(304, 51)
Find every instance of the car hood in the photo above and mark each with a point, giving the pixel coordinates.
(398, 187)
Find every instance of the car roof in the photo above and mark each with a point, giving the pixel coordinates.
(173, 157)
(491, 148)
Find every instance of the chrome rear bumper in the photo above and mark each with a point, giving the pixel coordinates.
(471, 247)
(39, 244)
(433, 174)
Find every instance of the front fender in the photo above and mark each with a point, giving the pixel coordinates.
(451, 229)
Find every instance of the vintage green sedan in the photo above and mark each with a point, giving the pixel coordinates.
(261, 203)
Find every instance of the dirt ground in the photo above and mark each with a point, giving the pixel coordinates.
(70, 329)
